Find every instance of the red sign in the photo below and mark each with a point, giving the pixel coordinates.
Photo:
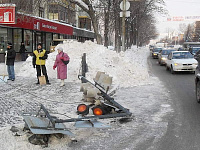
(41, 24)
(7, 13)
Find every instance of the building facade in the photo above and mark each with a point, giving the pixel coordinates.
(40, 22)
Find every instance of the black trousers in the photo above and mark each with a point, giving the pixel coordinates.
(44, 72)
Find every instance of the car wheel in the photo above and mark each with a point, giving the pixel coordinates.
(198, 91)
(167, 68)
(172, 70)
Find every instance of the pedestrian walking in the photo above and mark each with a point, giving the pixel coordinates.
(22, 51)
(39, 57)
(10, 60)
(62, 59)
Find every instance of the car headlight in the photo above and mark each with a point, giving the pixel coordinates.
(177, 64)
(195, 63)
(163, 58)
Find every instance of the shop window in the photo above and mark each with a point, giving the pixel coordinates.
(28, 40)
(55, 36)
(48, 41)
(3, 39)
(17, 39)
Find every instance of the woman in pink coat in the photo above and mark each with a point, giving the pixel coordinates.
(61, 67)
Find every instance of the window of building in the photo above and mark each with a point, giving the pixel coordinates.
(57, 12)
(85, 23)
(41, 12)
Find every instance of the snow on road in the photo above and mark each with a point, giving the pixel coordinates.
(143, 94)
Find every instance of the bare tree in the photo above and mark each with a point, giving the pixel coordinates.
(142, 15)
(182, 27)
(87, 6)
(189, 33)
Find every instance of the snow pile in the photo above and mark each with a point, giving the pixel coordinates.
(127, 68)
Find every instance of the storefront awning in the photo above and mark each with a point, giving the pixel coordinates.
(40, 24)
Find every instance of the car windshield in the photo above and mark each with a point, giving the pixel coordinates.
(182, 55)
(166, 52)
(157, 49)
(195, 49)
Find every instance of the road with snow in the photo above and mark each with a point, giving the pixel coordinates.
(183, 131)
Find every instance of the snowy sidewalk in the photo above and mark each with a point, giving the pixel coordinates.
(148, 103)
(144, 95)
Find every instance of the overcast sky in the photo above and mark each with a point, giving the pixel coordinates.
(178, 8)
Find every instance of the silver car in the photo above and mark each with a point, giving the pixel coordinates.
(162, 56)
(155, 52)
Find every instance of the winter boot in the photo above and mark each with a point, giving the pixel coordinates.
(62, 83)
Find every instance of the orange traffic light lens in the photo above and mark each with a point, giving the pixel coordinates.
(82, 108)
(97, 111)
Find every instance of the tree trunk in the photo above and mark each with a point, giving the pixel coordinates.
(93, 17)
(107, 16)
(95, 26)
(117, 27)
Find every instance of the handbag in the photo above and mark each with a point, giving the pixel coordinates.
(65, 62)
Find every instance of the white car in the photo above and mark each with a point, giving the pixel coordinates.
(181, 61)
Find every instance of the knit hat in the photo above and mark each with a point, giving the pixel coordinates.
(60, 48)
(39, 44)
(9, 44)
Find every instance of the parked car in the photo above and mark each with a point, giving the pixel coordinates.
(162, 55)
(155, 51)
(181, 61)
(197, 85)
(193, 50)
(151, 47)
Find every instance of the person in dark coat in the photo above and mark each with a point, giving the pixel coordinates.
(22, 51)
(10, 60)
(39, 57)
